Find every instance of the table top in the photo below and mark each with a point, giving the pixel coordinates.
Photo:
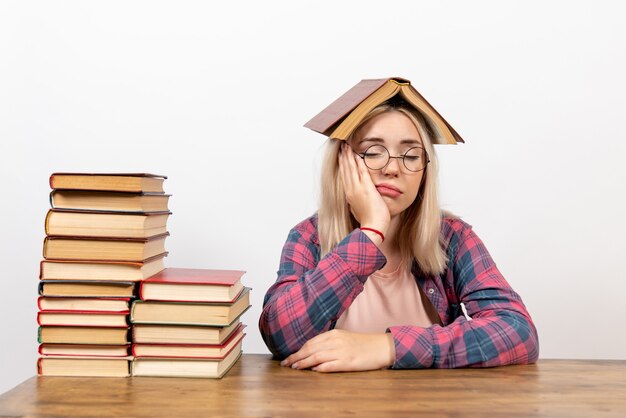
(259, 386)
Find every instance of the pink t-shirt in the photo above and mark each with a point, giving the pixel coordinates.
(388, 299)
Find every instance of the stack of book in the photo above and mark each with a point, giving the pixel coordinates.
(104, 234)
(186, 323)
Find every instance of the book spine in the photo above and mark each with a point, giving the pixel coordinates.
(41, 269)
(131, 316)
(39, 339)
(39, 318)
(141, 290)
(40, 349)
(132, 350)
(51, 181)
(39, 303)
(51, 199)
(39, 372)
(47, 223)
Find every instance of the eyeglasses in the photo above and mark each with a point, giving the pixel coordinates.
(377, 157)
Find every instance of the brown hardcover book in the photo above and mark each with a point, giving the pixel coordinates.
(192, 285)
(115, 182)
(121, 305)
(181, 313)
(84, 366)
(177, 367)
(84, 335)
(84, 350)
(105, 224)
(101, 270)
(188, 350)
(341, 117)
(106, 249)
(87, 288)
(109, 201)
(183, 334)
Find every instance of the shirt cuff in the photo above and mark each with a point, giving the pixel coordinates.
(361, 254)
(414, 347)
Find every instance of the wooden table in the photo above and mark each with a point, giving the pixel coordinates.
(258, 386)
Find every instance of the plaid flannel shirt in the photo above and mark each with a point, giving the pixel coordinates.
(311, 293)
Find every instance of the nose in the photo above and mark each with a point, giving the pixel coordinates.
(393, 167)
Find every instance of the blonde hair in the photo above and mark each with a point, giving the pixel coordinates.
(419, 233)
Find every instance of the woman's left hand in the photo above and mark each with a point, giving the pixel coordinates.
(343, 351)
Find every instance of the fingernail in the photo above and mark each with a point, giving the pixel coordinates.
(284, 362)
(294, 366)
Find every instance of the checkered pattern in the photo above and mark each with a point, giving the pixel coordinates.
(310, 294)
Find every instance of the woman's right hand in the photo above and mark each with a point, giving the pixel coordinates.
(366, 204)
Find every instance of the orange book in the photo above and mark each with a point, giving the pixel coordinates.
(83, 319)
(114, 182)
(216, 314)
(121, 305)
(87, 288)
(109, 201)
(84, 366)
(83, 335)
(192, 285)
(101, 270)
(76, 223)
(108, 249)
(84, 350)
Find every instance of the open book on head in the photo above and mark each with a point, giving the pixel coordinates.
(342, 116)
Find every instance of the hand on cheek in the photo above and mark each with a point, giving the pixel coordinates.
(366, 204)
(339, 350)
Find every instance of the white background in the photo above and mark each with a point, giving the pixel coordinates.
(214, 95)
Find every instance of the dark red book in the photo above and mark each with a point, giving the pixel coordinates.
(192, 285)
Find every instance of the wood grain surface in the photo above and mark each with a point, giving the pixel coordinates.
(258, 386)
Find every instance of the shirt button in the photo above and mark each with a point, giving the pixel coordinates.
(431, 291)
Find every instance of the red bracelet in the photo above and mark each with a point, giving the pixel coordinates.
(364, 228)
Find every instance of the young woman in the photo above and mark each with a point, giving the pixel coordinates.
(380, 275)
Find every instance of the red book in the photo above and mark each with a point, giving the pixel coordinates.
(192, 285)
(217, 351)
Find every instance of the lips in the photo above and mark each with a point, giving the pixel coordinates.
(388, 190)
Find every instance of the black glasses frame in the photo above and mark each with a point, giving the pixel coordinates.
(362, 155)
